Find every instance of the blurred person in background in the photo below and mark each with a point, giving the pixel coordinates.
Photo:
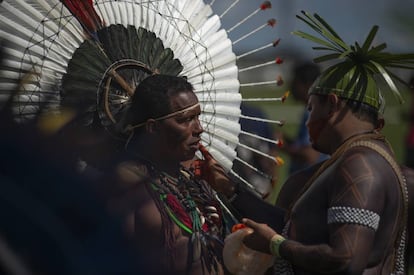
(299, 148)
(262, 184)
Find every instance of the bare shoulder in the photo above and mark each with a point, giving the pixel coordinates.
(133, 197)
(363, 177)
(131, 172)
(361, 162)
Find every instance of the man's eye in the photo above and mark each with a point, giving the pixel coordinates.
(189, 118)
(185, 119)
(193, 118)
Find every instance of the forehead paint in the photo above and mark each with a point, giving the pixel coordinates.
(170, 115)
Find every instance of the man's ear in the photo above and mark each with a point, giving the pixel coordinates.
(334, 103)
(151, 126)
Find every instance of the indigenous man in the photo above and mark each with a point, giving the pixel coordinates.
(350, 215)
(288, 194)
(174, 220)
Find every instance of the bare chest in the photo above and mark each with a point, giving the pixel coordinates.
(308, 220)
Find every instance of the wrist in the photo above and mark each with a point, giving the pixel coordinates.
(275, 243)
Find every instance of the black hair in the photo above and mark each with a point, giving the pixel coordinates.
(304, 75)
(152, 97)
(306, 72)
(361, 110)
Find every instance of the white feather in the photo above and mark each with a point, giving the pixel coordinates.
(222, 109)
(137, 15)
(120, 11)
(208, 63)
(219, 97)
(217, 121)
(219, 150)
(229, 138)
(158, 24)
(7, 86)
(101, 10)
(107, 12)
(224, 84)
(116, 12)
(35, 52)
(218, 52)
(211, 26)
(229, 71)
(198, 18)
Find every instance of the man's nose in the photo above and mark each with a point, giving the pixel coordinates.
(198, 128)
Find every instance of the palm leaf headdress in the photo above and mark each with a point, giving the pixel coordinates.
(355, 74)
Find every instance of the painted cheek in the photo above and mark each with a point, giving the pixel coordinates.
(315, 128)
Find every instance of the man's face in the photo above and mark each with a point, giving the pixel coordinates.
(180, 134)
(319, 114)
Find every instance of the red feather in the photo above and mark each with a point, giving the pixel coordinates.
(85, 13)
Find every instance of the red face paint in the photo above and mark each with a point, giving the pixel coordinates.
(315, 128)
(317, 120)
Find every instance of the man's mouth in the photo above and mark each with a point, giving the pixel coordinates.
(195, 144)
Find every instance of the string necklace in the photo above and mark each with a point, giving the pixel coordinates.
(170, 188)
(176, 199)
(180, 189)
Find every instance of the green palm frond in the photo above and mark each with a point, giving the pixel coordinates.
(356, 64)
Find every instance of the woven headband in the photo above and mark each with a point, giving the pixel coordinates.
(131, 127)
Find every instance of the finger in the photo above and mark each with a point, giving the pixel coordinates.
(206, 154)
(249, 223)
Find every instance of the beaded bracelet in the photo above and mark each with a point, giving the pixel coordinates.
(275, 243)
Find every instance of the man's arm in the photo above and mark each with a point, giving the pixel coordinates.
(253, 207)
(355, 184)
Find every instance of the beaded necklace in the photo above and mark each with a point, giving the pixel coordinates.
(179, 188)
(178, 199)
(184, 192)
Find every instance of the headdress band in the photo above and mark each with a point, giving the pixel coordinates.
(359, 69)
(131, 127)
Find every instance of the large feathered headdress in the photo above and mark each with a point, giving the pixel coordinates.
(358, 68)
(90, 55)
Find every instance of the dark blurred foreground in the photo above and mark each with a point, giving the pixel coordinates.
(54, 220)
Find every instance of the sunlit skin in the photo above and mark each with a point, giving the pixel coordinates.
(177, 137)
(180, 135)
